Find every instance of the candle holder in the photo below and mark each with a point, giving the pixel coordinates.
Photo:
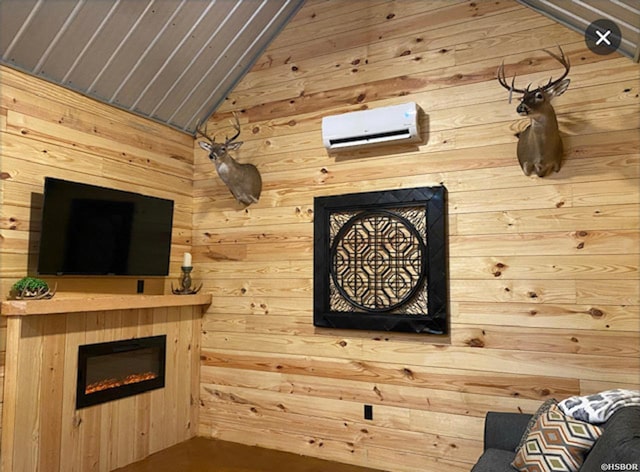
(185, 283)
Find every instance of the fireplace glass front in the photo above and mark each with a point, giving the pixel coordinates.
(118, 369)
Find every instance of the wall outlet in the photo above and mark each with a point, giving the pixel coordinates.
(368, 412)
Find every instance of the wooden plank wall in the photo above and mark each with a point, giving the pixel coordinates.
(543, 272)
(48, 131)
(42, 429)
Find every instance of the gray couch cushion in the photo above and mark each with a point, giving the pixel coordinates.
(503, 430)
(620, 443)
(495, 460)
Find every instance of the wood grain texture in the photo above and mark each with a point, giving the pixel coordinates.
(48, 131)
(42, 430)
(66, 303)
(544, 284)
(543, 272)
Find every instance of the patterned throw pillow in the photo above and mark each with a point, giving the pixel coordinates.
(556, 443)
(599, 407)
(534, 419)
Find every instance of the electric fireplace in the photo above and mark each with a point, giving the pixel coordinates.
(118, 369)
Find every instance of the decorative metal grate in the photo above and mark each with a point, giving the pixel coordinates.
(380, 261)
(377, 260)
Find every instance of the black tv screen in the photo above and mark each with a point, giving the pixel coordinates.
(91, 230)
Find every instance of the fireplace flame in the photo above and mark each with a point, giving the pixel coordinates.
(115, 383)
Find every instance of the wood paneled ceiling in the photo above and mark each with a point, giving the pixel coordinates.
(173, 61)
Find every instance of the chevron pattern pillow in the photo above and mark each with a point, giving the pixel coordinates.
(556, 443)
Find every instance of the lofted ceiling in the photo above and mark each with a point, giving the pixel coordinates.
(173, 61)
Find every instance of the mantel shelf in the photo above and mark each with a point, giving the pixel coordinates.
(77, 302)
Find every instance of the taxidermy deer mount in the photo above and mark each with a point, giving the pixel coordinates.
(243, 180)
(539, 145)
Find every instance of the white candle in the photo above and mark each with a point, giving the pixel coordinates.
(186, 262)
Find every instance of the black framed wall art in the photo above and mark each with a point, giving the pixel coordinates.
(380, 261)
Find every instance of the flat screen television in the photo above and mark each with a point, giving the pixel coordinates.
(91, 230)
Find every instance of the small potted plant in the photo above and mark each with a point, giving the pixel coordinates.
(31, 288)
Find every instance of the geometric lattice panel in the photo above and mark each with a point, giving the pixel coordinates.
(380, 261)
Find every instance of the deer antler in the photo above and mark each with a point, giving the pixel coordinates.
(562, 59)
(236, 126)
(503, 81)
(204, 133)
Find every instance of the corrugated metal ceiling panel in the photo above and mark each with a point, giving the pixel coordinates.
(173, 61)
(579, 14)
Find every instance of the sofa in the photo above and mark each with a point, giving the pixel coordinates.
(618, 448)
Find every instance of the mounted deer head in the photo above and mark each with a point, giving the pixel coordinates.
(539, 145)
(243, 180)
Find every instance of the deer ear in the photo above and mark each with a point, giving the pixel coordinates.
(234, 146)
(559, 88)
(205, 145)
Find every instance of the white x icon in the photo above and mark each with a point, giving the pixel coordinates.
(603, 37)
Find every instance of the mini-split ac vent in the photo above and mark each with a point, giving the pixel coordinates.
(395, 124)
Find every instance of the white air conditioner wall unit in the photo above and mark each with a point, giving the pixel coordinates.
(396, 124)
